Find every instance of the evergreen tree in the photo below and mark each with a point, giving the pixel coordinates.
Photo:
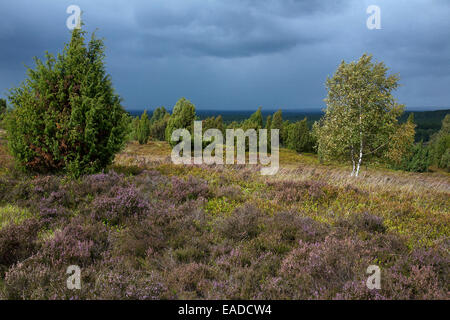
(143, 132)
(277, 123)
(66, 115)
(298, 137)
(183, 116)
(158, 123)
(256, 120)
(417, 160)
(440, 145)
(2, 108)
(269, 122)
(134, 127)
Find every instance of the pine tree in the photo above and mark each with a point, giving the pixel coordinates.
(66, 115)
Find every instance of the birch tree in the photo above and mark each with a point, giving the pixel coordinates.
(361, 114)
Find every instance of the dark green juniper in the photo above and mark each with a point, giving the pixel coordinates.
(66, 116)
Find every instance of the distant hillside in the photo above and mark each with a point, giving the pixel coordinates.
(428, 122)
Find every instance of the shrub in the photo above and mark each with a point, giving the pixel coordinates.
(182, 190)
(362, 221)
(183, 116)
(120, 204)
(99, 183)
(66, 116)
(17, 242)
(143, 129)
(418, 159)
(242, 224)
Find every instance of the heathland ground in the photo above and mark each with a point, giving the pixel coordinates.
(149, 229)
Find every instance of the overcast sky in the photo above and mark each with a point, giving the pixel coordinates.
(238, 54)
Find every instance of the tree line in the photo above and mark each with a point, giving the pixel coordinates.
(160, 125)
(67, 117)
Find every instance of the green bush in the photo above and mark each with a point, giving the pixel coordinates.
(66, 115)
(299, 137)
(158, 123)
(440, 146)
(418, 160)
(2, 108)
(143, 129)
(183, 116)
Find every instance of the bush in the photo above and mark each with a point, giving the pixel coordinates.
(299, 137)
(417, 161)
(17, 242)
(183, 116)
(158, 123)
(242, 224)
(66, 116)
(120, 204)
(143, 129)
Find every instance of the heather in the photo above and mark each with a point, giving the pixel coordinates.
(148, 229)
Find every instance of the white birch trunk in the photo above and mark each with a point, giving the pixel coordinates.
(360, 159)
(353, 163)
(360, 140)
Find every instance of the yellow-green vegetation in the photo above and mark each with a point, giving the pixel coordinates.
(13, 214)
(147, 228)
(415, 205)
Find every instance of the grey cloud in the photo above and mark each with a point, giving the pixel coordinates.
(238, 54)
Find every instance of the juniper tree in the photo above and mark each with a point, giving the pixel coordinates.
(158, 123)
(299, 137)
(183, 116)
(143, 129)
(361, 115)
(440, 145)
(66, 115)
(2, 108)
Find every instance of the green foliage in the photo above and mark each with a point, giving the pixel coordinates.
(298, 137)
(418, 160)
(143, 130)
(284, 132)
(256, 120)
(134, 126)
(2, 108)
(361, 115)
(440, 145)
(268, 122)
(66, 115)
(401, 143)
(158, 123)
(183, 116)
(277, 123)
(213, 123)
(277, 120)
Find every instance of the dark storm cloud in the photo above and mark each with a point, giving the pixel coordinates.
(239, 54)
(228, 29)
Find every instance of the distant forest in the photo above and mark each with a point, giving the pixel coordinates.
(428, 122)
